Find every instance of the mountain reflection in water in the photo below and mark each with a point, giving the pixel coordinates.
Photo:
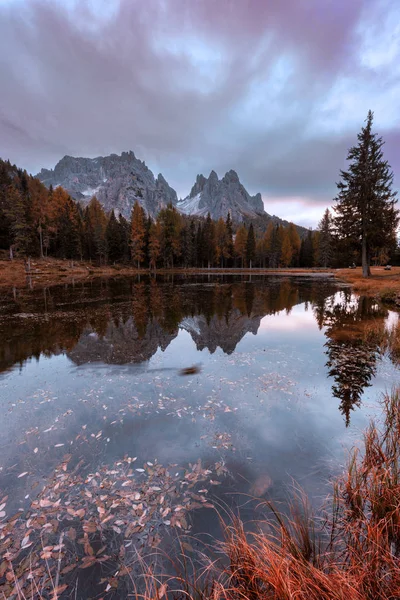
(126, 321)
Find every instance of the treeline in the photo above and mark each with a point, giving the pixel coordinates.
(36, 221)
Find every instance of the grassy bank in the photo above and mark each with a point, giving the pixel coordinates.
(384, 285)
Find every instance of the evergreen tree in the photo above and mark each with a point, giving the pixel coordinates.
(125, 232)
(138, 233)
(222, 242)
(325, 240)
(365, 204)
(155, 244)
(209, 241)
(199, 246)
(114, 239)
(69, 238)
(307, 252)
(229, 235)
(286, 251)
(295, 243)
(171, 222)
(95, 230)
(250, 246)
(241, 244)
(275, 247)
(193, 250)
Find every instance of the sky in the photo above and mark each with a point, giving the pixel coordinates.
(275, 89)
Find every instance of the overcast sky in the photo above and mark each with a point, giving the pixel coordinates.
(275, 89)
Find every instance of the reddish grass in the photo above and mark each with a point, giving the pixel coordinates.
(352, 555)
(380, 283)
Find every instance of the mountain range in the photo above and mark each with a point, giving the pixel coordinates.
(119, 181)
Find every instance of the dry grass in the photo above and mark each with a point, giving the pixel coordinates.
(354, 554)
(383, 284)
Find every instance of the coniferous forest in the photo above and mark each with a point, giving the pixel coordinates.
(40, 222)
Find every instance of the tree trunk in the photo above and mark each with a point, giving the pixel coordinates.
(366, 272)
(41, 240)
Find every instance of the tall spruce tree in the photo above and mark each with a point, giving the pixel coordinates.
(138, 234)
(250, 246)
(365, 204)
(114, 236)
(325, 240)
(229, 233)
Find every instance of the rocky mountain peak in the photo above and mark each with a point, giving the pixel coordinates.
(117, 181)
(231, 177)
(220, 196)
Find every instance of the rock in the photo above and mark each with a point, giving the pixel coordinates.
(117, 182)
(220, 197)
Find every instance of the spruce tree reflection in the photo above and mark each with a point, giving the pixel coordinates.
(355, 330)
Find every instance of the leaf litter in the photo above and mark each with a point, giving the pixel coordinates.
(80, 520)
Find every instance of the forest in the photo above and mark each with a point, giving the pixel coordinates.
(36, 221)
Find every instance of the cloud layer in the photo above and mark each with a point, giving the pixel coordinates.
(276, 90)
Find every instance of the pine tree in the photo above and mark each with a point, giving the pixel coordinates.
(286, 251)
(307, 252)
(209, 241)
(138, 232)
(241, 244)
(365, 205)
(95, 230)
(229, 234)
(193, 249)
(325, 241)
(295, 243)
(114, 239)
(222, 242)
(199, 246)
(267, 244)
(275, 246)
(155, 244)
(171, 222)
(21, 234)
(69, 238)
(125, 231)
(250, 246)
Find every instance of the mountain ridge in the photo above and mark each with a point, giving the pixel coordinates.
(118, 181)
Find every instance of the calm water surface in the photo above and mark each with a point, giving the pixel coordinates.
(289, 375)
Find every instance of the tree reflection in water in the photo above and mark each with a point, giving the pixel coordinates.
(127, 320)
(355, 328)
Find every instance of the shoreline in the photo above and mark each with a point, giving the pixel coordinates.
(49, 272)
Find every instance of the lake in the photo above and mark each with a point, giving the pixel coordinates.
(131, 406)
